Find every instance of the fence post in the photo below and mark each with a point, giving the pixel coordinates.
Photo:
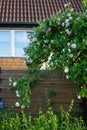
(0, 74)
(84, 102)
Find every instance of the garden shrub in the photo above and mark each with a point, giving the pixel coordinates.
(60, 42)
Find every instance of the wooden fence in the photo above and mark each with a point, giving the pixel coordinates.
(60, 90)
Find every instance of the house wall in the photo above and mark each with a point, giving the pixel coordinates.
(14, 63)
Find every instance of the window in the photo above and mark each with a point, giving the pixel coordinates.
(12, 42)
(5, 43)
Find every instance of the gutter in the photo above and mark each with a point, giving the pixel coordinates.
(21, 23)
(18, 24)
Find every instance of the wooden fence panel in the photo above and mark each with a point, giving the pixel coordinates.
(51, 81)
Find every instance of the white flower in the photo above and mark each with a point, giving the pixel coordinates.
(17, 104)
(17, 95)
(50, 23)
(38, 43)
(69, 50)
(58, 23)
(67, 77)
(14, 84)
(49, 58)
(73, 46)
(16, 91)
(10, 80)
(46, 41)
(58, 19)
(68, 32)
(34, 39)
(70, 18)
(67, 21)
(51, 41)
(63, 50)
(65, 5)
(71, 10)
(63, 24)
(67, 24)
(78, 19)
(71, 55)
(66, 70)
(78, 96)
(68, 43)
(30, 61)
(69, 15)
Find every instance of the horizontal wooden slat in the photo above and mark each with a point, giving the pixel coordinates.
(50, 81)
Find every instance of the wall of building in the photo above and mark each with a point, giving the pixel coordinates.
(10, 63)
(16, 63)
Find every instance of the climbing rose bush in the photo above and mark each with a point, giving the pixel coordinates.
(61, 42)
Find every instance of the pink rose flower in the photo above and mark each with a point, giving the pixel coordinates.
(73, 45)
(67, 24)
(22, 106)
(68, 32)
(71, 55)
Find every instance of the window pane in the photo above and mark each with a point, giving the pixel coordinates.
(21, 41)
(5, 47)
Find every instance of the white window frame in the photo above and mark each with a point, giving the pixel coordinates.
(13, 47)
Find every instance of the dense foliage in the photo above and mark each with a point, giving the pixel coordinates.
(43, 121)
(61, 43)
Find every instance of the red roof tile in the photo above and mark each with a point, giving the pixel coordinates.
(32, 10)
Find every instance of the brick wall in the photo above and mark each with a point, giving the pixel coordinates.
(9, 63)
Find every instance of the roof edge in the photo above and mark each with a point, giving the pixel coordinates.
(21, 23)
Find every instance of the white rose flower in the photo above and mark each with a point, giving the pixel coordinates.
(67, 77)
(63, 50)
(71, 10)
(69, 15)
(51, 41)
(69, 50)
(70, 18)
(17, 104)
(34, 39)
(63, 24)
(78, 96)
(46, 41)
(66, 69)
(16, 91)
(17, 95)
(67, 21)
(14, 84)
(68, 43)
(58, 19)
